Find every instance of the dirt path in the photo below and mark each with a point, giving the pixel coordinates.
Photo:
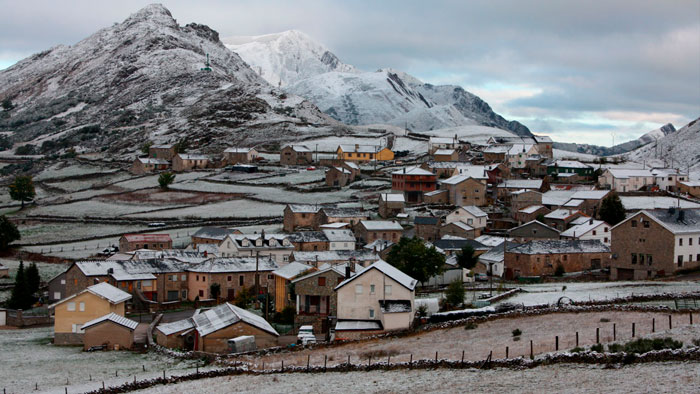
(493, 336)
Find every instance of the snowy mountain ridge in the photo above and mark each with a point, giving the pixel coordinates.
(146, 78)
(679, 149)
(386, 96)
(624, 147)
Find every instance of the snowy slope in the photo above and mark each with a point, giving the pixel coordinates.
(680, 148)
(142, 79)
(306, 68)
(624, 147)
(287, 57)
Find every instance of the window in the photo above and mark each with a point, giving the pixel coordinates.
(229, 278)
(240, 280)
(605, 229)
(138, 285)
(270, 277)
(358, 289)
(71, 306)
(197, 278)
(201, 293)
(321, 280)
(646, 224)
(564, 257)
(387, 289)
(594, 232)
(57, 295)
(146, 283)
(173, 278)
(204, 278)
(371, 313)
(605, 240)
(680, 261)
(371, 289)
(82, 306)
(183, 277)
(470, 221)
(680, 241)
(63, 281)
(634, 223)
(634, 258)
(690, 242)
(698, 257)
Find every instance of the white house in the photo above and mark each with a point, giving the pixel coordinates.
(275, 246)
(589, 229)
(625, 180)
(469, 214)
(340, 239)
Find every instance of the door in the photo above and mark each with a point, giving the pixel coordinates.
(231, 295)
(625, 274)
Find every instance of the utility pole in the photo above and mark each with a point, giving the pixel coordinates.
(257, 275)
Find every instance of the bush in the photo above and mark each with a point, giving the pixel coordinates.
(643, 345)
(615, 348)
(27, 149)
(286, 316)
(696, 341)
(598, 348)
(471, 325)
(517, 332)
(454, 295)
(165, 179)
(576, 350)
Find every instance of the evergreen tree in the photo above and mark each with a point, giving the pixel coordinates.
(32, 278)
(165, 179)
(413, 258)
(466, 258)
(20, 298)
(611, 209)
(454, 295)
(22, 189)
(8, 232)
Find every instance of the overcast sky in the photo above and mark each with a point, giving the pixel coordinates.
(575, 71)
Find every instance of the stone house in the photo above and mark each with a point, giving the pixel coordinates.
(444, 169)
(544, 146)
(57, 287)
(340, 239)
(446, 155)
(113, 331)
(188, 162)
(309, 241)
(144, 165)
(655, 243)
(72, 312)
(362, 257)
(240, 155)
(370, 230)
(454, 245)
(352, 167)
(533, 230)
(162, 151)
(437, 143)
(458, 229)
(299, 216)
(377, 299)
(517, 155)
(524, 198)
(338, 176)
(505, 189)
(283, 280)
(176, 335)
(352, 216)
(465, 190)
(426, 227)
(495, 153)
(316, 299)
(391, 204)
(471, 215)
(233, 275)
(560, 218)
(296, 155)
(530, 213)
(542, 257)
(691, 188)
(209, 236)
(131, 242)
(439, 196)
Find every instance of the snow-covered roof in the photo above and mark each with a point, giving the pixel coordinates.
(103, 290)
(435, 192)
(557, 197)
(664, 172)
(233, 264)
(440, 152)
(624, 173)
(379, 244)
(352, 165)
(690, 183)
(497, 149)
(217, 233)
(558, 246)
(583, 228)
(456, 179)
(379, 225)
(561, 214)
(339, 235)
(461, 225)
(186, 156)
(521, 184)
(150, 160)
(632, 203)
(356, 325)
(590, 194)
(415, 170)
(517, 149)
(569, 164)
(474, 211)
(344, 212)
(491, 240)
(114, 318)
(573, 203)
(395, 306)
(673, 220)
(334, 225)
(476, 172)
(238, 150)
(392, 197)
(307, 236)
(299, 208)
(291, 270)
(543, 138)
(388, 270)
(334, 255)
(536, 223)
(176, 326)
(360, 148)
(531, 209)
(495, 254)
(441, 140)
(225, 315)
(338, 269)
(343, 170)
(147, 237)
(299, 148)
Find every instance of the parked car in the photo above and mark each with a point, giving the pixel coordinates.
(156, 224)
(310, 168)
(481, 277)
(306, 335)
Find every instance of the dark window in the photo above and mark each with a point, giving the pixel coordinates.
(634, 258)
(646, 223)
(228, 278)
(680, 241)
(321, 280)
(680, 261)
(564, 258)
(690, 242)
(197, 277)
(240, 280)
(201, 293)
(649, 259)
(634, 223)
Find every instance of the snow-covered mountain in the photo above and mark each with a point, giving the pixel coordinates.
(287, 57)
(143, 79)
(386, 96)
(680, 149)
(624, 147)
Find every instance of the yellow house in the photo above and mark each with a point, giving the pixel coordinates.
(283, 277)
(72, 312)
(364, 153)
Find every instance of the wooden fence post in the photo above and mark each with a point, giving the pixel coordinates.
(462, 356)
(410, 362)
(308, 361)
(556, 347)
(653, 325)
(670, 324)
(283, 364)
(633, 329)
(614, 331)
(576, 338)
(532, 353)
(369, 361)
(506, 351)
(597, 335)
(436, 355)
(348, 359)
(325, 358)
(691, 318)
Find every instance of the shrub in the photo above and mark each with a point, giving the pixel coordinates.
(165, 179)
(517, 332)
(471, 325)
(27, 149)
(696, 341)
(615, 348)
(576, 350)
(598, 347)
(454, 295)
(643, 345)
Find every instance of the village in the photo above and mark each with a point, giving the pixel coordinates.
(281, 258)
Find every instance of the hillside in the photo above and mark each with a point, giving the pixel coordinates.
(142, 79)
(306, 68)
(680, 149)
(624, 147)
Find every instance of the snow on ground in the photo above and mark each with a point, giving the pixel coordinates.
(228, 209)
(94, 208)
(54, 232)
(472, 133)
(292, 178)
(29, 358)
(565, 154)
(59, 171)
(549, 293)
(46, 270)
(330, 144)
(152, 180)
(415, 146)
(271, 194)
(491, 336)
(637, 203)
(564, 378)
(74, 185)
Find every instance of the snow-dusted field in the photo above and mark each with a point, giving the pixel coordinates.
(54, 232)
(565, 154)
(28, 358)
(94, 208)
(632, 203)
(293, 178)
(550, 293)
(152, 180)
(60, 171)
(231, 209)
(82, 184)
(270, 194)
(565, 378)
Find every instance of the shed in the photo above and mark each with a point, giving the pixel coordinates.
(113, 331)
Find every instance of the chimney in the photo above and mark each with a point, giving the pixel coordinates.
(316, 261)
(357, 147)
(404, 170)
(591, 221)
(347, 272)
